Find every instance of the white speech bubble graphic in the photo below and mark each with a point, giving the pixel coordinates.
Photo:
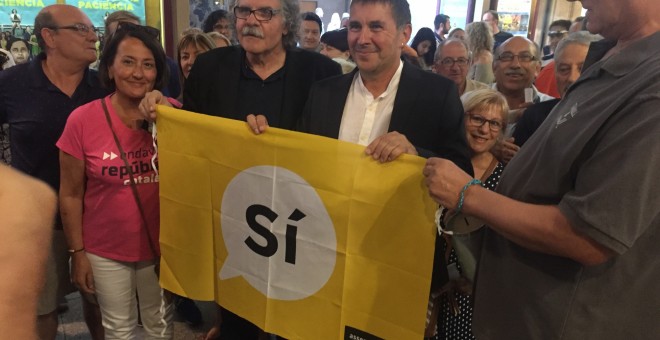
(291, 257)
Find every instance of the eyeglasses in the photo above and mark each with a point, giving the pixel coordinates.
(477, 120)
(556, 34)
(261, 14)
(82, 29)
(131, 27)
(449, 62)
(523, 57)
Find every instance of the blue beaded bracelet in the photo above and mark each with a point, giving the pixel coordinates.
(461, 197)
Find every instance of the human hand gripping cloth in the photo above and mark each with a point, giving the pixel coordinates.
(305, 236)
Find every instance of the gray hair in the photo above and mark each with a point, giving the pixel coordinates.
(438, 52)
(583, 38)
(290, 13)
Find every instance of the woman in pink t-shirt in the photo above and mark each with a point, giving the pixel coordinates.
(113, 240)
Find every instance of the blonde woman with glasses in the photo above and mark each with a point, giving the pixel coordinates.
(485, 121)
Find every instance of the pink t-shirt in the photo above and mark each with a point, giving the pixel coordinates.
(112, 226)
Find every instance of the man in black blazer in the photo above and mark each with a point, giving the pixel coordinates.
(424, 110)
(426, 113)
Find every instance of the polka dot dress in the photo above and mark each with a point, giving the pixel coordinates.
(459, 326)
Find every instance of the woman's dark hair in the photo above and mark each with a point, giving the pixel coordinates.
(110, 52)
(425, 34)
(212, 18)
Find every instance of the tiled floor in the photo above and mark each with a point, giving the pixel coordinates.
(72, 326)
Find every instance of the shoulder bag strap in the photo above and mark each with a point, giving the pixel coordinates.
(130, 174)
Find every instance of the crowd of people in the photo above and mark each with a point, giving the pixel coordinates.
(553, 148)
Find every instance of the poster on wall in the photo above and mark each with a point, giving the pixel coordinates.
(98, 10)
(19, 14)
(514, 16)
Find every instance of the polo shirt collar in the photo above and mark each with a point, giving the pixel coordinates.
(36, 71)
(621, 64)
(40, 80)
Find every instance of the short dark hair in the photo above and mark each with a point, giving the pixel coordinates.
(440, 19)
(337, 39)
(566, 24)
(311, 16)
(212, 18)
(110, 52)
(493, 14)
(400, 10)
(43, 20)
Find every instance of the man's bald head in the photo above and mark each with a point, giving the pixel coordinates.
(51, 16)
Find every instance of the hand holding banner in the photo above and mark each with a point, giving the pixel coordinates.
(305, 236)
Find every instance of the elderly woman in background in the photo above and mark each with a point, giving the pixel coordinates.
(424, 44)
(480, 41)
(109, 199)
(485, 121)
(334, 45)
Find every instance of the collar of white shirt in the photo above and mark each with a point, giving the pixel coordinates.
(366, 118)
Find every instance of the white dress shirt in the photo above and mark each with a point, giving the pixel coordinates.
(366, 118)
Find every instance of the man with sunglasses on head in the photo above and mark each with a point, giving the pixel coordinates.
(557, 31)
(36, 99)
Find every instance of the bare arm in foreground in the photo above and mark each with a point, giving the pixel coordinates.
(27, 207)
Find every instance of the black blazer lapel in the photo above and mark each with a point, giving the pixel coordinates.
(336, 102)
(406, 96)
(229, 84)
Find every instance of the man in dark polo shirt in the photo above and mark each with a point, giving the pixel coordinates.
(36, 99)
(571, 247)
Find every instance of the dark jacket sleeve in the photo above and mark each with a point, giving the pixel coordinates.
(531, 119)
(453, 143)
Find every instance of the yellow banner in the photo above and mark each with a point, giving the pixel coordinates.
(304, 236)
